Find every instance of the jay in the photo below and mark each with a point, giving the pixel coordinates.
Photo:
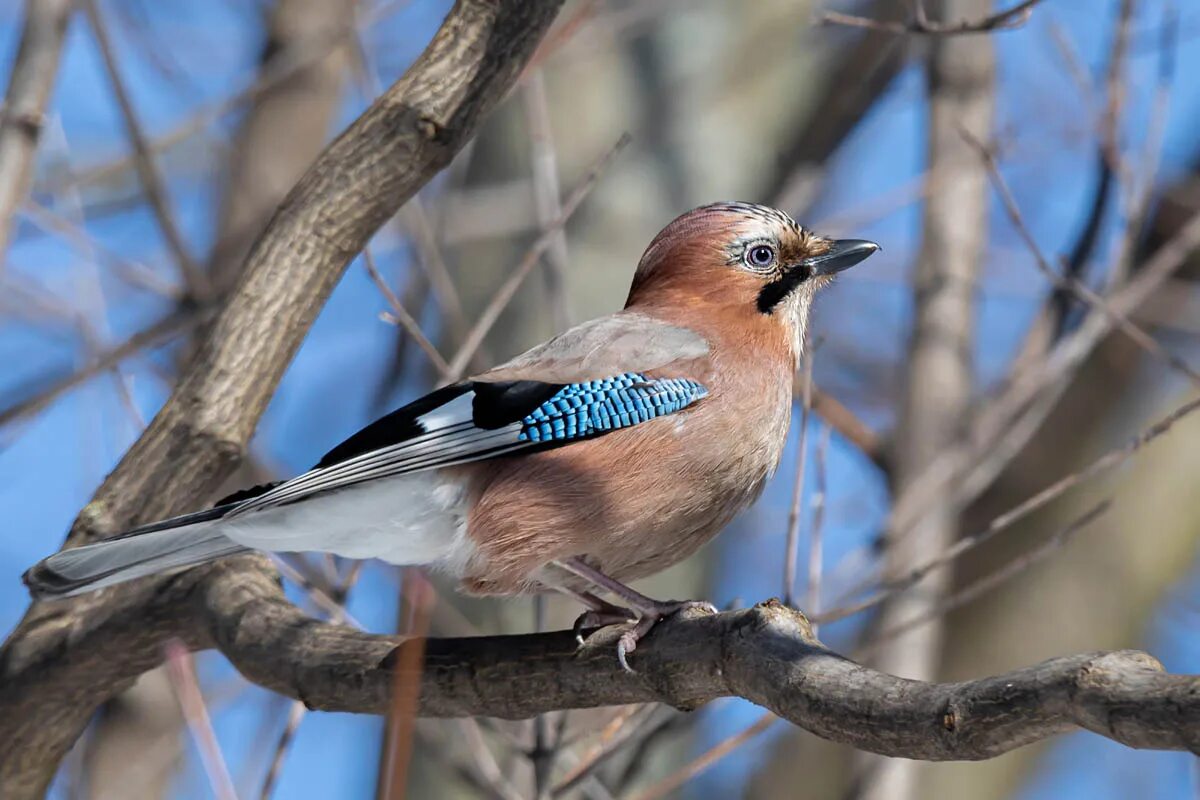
(601, 456)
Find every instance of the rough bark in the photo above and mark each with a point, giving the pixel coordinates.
(65, 659)
(766, 654)
(277, 139)
(283, 131)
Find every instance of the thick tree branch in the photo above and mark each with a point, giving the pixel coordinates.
(766, 654)
(67, 658)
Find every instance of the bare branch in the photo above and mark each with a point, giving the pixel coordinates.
(846, 423)
(412, 131)
(152, 181)
(1009, 19)
(792, 539)
(766, 654)
(187, 689)
(30, 83)
(995, 578)
(939, 383)
(706, 759)
(543, 243)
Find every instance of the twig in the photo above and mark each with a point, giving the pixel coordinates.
(993, 579)
(705, 760)
(281, 67)
(30, 83)
(191, 701)
(621, 729)
(419, 598)
(338, 613)
(1055, 490)
(132, 272)
(792, 540)
(166, 328)
(1108, 159)
(295, 715)
(847, 425)
(152, 182)
(815, 543)
(1135, 333)
(336, 609)
(485, 762)
(432, 262)
(1141, 187)
(546, 192)
(508, 289)
(400, 316)
(1009, 19)
(973, 457)
(544, 752)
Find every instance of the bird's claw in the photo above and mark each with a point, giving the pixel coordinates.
(630, 638)
(599, 618)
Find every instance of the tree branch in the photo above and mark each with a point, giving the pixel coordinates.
(67, 658)
(32, 79)
(766, 654)
(1011, 18)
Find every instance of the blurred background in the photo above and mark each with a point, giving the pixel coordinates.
(174, 128)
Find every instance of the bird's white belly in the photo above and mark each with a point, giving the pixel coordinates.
(415, 519)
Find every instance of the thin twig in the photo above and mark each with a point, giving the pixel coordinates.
(191, 701)
(419, 598)
(132, 272)
(705, 760)
(544, 752)
(400, 316)
(330, 605)
(432, 262)
(993, 579)
(30, 83)
(485, 763)
(508, 289)
(1009, 19)
(1039, 500)
(280, 68)
(847, 424)
(148, 174)
(295, 715)
(546, 192)
(337, 613)
(166, 328)
(969, 462)
(621, 729)
(1122, 322)
(792, 540)
(815, 542)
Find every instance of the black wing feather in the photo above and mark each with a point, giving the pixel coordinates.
(494, 406)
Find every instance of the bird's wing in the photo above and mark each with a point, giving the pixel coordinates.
(622, 342)
(541, 399)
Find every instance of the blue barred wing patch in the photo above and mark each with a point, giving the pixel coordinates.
(580, 410)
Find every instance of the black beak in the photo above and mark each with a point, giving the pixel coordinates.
(844, 253)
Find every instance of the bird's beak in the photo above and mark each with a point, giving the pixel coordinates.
(843, 254)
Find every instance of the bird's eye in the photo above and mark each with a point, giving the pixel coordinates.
(760, 256)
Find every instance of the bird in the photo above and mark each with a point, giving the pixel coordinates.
(601, 456)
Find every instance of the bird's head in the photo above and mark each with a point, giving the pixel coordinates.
(742, 261)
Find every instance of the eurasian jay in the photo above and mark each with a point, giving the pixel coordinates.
(604, 455)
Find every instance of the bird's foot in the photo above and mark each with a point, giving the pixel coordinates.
(595, 618)
(651, 616)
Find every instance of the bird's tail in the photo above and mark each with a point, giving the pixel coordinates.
(169, 545)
